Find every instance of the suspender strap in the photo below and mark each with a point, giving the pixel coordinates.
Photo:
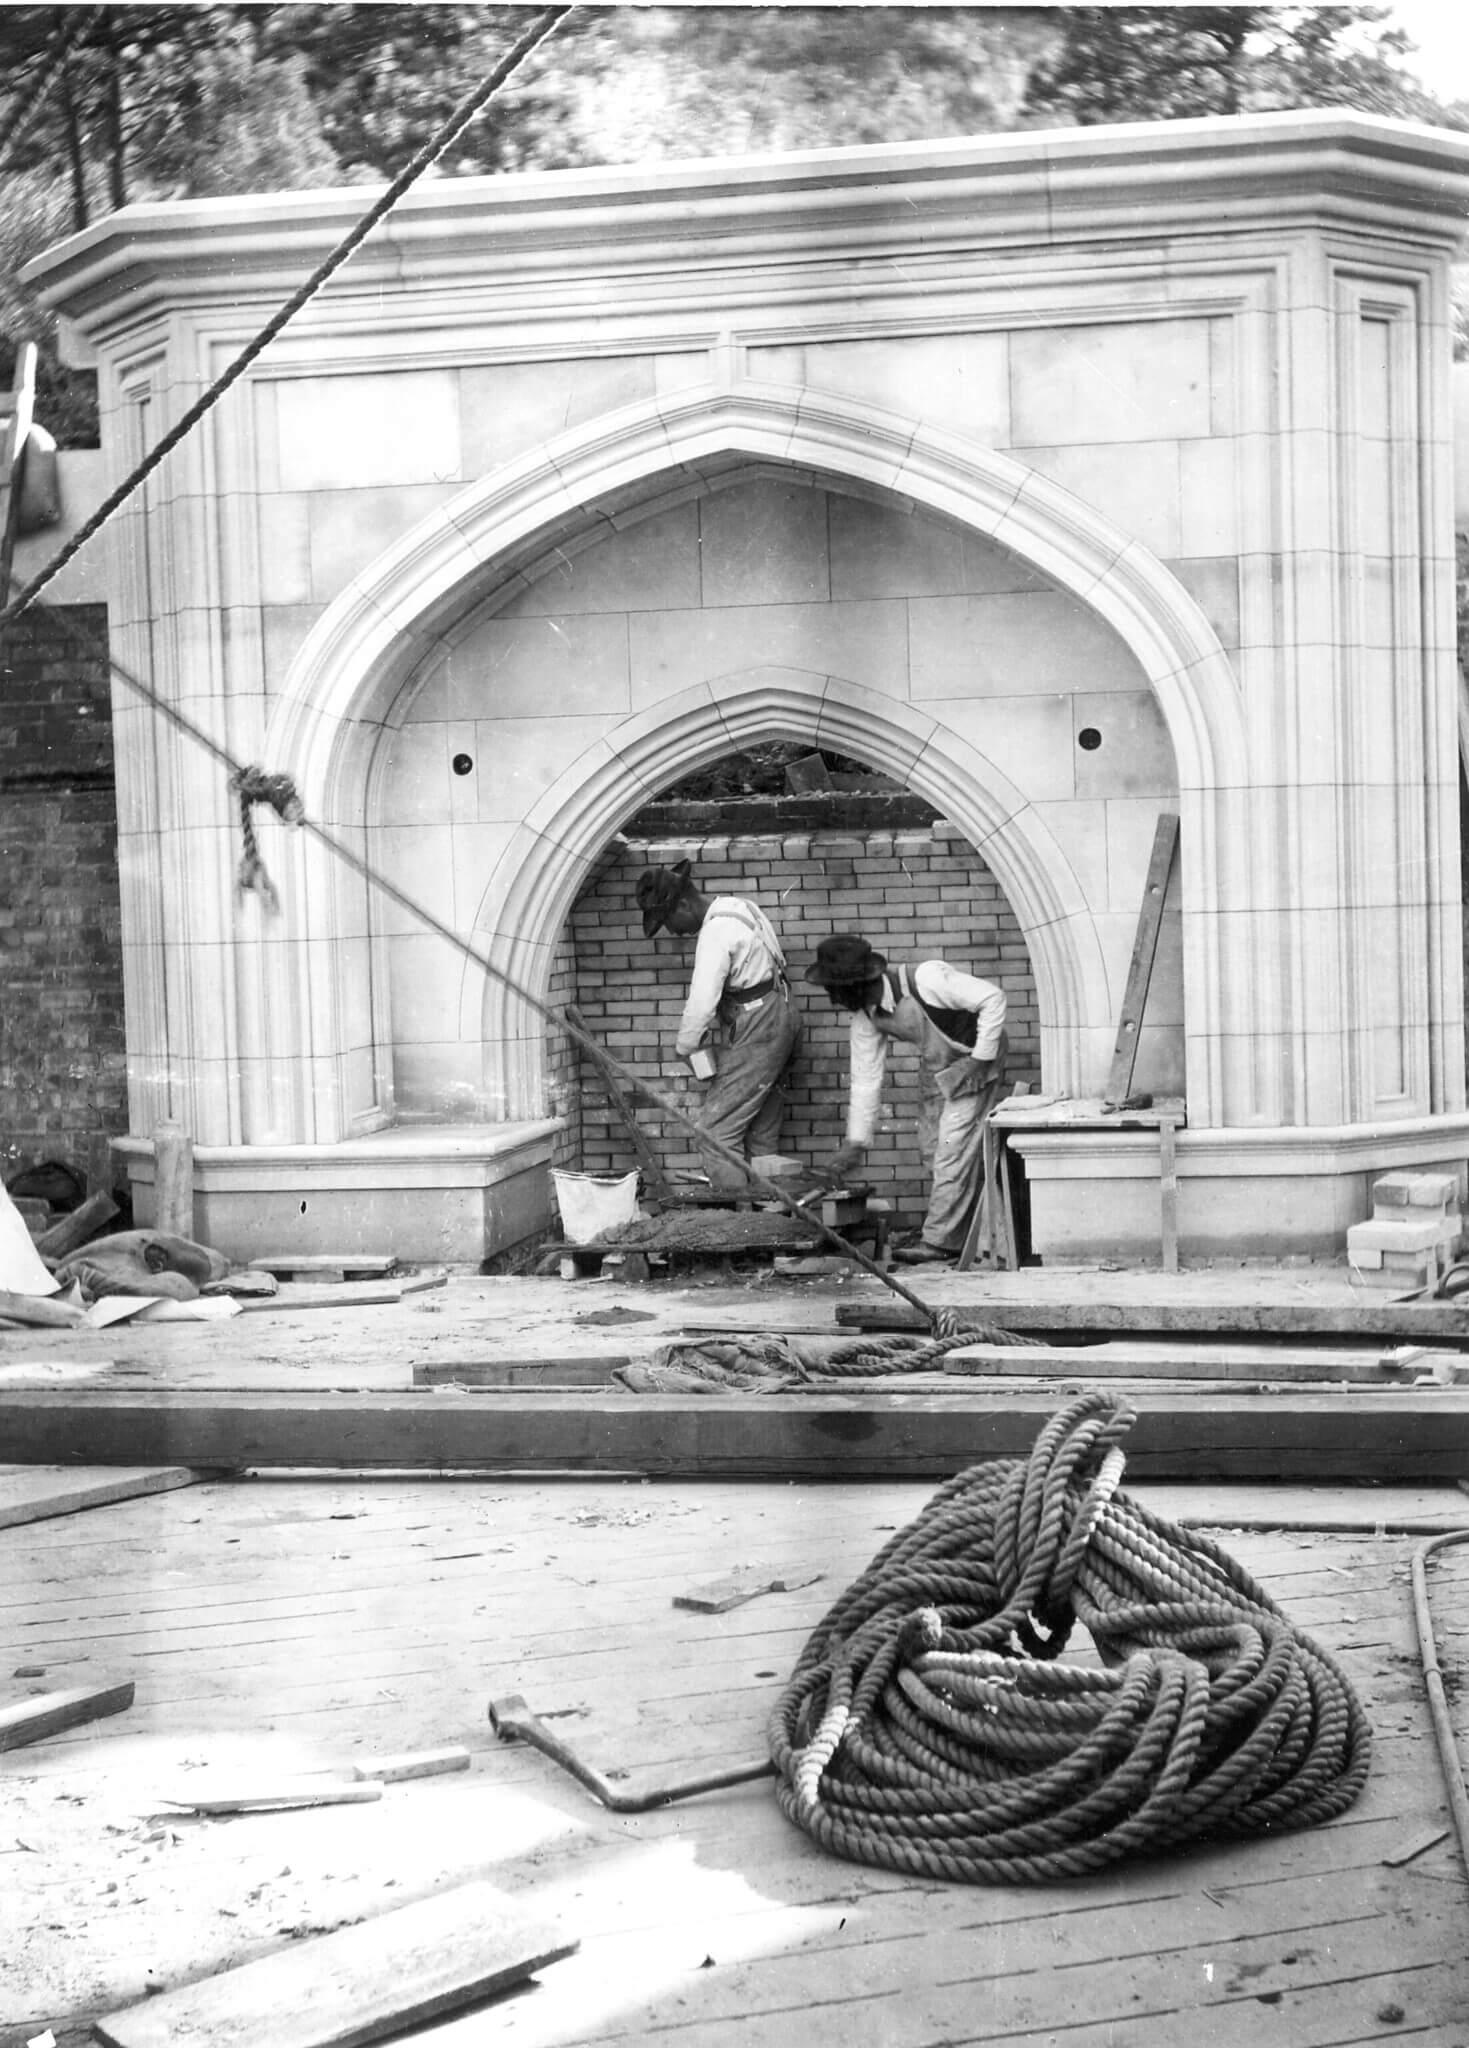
(744, 914)
(960, 1025)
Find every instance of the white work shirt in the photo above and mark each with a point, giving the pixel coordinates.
(944, 988)
(737, 948)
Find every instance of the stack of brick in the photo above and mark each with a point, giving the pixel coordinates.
(911, 893)
(63, 1065)
(1413, 1233)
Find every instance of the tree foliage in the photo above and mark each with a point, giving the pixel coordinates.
(1177, 63)
(102, 105)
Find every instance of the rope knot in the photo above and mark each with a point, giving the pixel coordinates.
(922, 1631)
(253, 786)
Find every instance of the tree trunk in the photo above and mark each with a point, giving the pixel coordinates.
(71, 128)
(116, 144)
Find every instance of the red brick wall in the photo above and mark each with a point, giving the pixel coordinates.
(914, 894)
(62, 1061)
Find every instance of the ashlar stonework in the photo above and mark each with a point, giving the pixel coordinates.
(1063, 478)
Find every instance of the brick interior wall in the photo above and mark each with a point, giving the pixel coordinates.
(563, 1075)
(913, 894)
(63, 1080)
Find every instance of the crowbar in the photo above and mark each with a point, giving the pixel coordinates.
(513, 1721)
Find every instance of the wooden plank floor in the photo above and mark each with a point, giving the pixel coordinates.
(477, 1317)
(290, 1625)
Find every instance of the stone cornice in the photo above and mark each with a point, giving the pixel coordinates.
(1244, 1152)
(1129, 185)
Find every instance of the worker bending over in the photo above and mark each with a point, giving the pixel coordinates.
(956, 1023)
(739, 1019)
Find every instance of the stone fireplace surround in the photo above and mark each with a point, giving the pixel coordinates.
(947, 456)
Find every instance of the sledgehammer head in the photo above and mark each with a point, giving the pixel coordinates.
(511, 1718)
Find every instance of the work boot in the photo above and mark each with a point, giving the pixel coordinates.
(922, 1254)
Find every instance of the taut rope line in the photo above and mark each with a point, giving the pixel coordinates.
(252, 782)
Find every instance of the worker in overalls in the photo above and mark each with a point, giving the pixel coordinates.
(956, 1022)
(740, 1028)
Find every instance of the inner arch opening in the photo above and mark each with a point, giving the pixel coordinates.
(823, 844)
(750, 604)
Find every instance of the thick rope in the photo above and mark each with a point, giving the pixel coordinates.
(744, 1363)
(871, 1357)
(91, 647)
(457, 121)
(928, 1729)
(253, 786)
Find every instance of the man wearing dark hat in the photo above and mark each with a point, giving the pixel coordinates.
(956, 1023)
(740, 1028)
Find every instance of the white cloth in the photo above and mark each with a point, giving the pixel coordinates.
(737, 948)
(945, 988)
(22, 1269)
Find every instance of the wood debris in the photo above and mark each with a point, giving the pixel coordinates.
(380, 1977)
(717, 1596)
(49, 1713)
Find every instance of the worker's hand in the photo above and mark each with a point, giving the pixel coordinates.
(842, 1164)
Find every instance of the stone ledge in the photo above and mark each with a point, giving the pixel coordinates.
(443, 1194)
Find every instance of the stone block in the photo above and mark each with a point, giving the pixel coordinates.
(1029, 739)
(1008, 645)
(1411, 1237)
(650, 564)
(863, 642)
(1135, 484)
(511, 407)
(1085, 384)
(390, 427)
(881, 551)
(959, 382)
(764, 543)
(1414, 1191)
(1128, 750)
(1401, 1270)
(517, 668)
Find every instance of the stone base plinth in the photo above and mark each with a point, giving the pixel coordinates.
(443, 1195)
(1253, 1194)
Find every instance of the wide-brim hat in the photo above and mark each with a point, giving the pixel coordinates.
(844, 961)
(658, 890)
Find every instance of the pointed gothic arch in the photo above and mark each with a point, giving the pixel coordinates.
(397, 613)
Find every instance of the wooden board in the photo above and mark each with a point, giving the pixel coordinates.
(1371, 1432)
(327, 1265)
(523, 1372)
(1434, 1322)
(39, 1311)
(48, 1713)
(1299, 1940)
(358, 1984)
(276, 1798)
(86, 1221)
(1144, 948)
(1193, 1361)
(29, 1493)
(325, 1294)
(417, 1763)
(719, 1596)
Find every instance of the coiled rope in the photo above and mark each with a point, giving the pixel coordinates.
(871, 1357)
(750, 1364)
(928, 1729)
